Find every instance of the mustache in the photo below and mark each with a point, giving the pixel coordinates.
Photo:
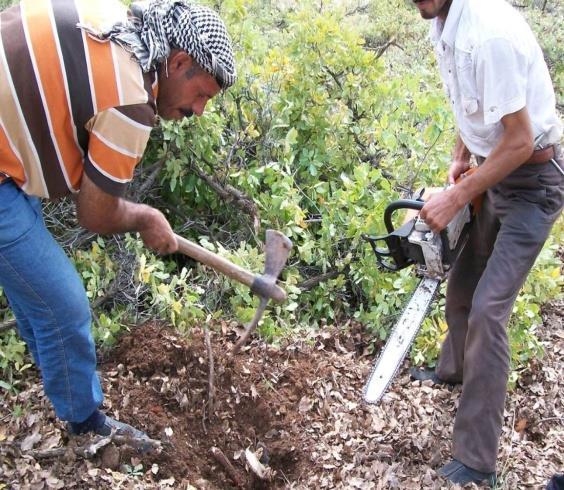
(186, 112)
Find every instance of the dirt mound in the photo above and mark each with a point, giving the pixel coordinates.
(160, 382)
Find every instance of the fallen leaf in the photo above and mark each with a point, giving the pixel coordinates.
(30, 441)
(305, 404)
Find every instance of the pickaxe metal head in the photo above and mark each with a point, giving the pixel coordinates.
(277, 249)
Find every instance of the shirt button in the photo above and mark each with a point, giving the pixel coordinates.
(493, 108)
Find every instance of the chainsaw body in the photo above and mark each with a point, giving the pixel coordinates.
(432, 254)
(413, 243)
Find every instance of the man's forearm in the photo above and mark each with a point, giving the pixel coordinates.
(105, 214)
(513, 149)
(125, 217)
(460, 153)
(505, 158)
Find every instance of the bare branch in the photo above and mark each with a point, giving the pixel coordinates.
(384, 48)
(548, 419)
(211, 386)
(359, 9)
(230, 194)
(153, 172)
(238, 479)
(309, 284)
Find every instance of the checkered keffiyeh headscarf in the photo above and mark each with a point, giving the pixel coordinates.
(155, 27)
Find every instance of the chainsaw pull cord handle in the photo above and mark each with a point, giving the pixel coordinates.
(399, 204)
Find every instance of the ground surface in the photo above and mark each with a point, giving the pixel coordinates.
(296, 406)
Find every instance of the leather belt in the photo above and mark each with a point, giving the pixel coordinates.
(542, 156)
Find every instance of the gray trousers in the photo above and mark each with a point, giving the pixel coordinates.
(507, 235)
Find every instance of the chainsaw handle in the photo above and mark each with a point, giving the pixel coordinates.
(392, 257)
(399, 204)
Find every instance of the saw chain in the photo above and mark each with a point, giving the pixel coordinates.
(400, 340)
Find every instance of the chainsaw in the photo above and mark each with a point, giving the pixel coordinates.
(432, 255)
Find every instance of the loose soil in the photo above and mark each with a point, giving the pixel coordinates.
(254, 404)
(296, 406)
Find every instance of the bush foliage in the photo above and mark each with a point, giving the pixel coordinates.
(337, 111)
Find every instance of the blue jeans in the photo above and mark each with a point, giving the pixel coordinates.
(50, 304)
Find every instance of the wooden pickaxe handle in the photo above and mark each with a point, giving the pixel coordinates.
(264, 288)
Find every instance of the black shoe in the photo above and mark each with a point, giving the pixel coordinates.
(102, 425)
(426, 374)
(556, 483)
(457, 472)
(120, 428)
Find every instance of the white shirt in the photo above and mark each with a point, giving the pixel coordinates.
(492, 65)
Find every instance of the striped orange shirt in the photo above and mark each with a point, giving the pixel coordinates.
(70, 103)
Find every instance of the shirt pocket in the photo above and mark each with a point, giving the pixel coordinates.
(466, 82)
(471, 104)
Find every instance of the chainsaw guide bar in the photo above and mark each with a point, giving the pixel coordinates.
(400, 340)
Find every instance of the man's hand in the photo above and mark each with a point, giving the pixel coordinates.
(457, 168)
(440, 209)
(157, 234)
(460, 160)
(105, 214)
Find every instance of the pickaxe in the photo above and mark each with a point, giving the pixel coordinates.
(277, 249)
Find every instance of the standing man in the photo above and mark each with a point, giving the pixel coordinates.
(81, 84)
(503, 101)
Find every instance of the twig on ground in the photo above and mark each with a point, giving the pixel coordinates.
(263, 472)
(218, 455)
(87, 450)
(211, 385)
(205, 429)
(548, 419)
(93, 448)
